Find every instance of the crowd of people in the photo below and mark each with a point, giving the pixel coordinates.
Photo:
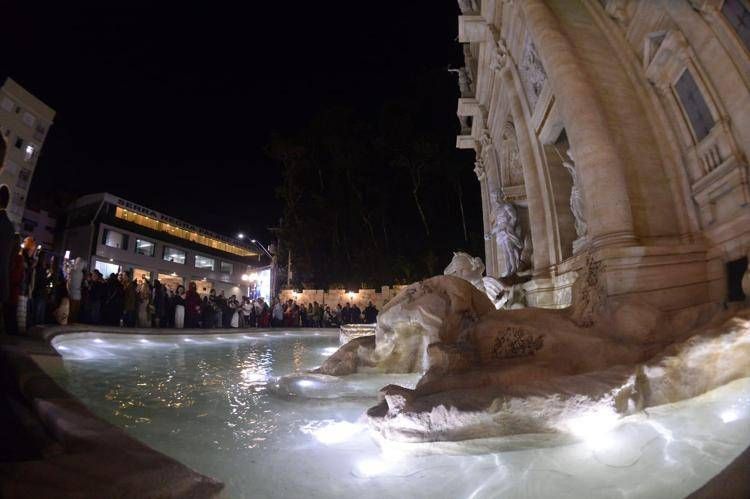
(290, 314)
(43, 291)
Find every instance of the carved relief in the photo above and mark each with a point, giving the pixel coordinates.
(589, 293)
(500, 54)
(510, 164)
(513, 342)
(532, 72)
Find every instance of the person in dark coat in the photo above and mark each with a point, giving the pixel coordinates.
(15, 286)
(160, 304)
(7, 231)
(112, 304)
(193, 306)
(371, 314)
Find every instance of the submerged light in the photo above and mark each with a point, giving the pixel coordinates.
(729, 415)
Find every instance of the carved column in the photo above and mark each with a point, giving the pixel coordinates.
(602, 172)
(490, 254)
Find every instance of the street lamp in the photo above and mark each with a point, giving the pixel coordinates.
(241, 235)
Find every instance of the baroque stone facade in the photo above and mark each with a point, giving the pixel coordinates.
(620, 131)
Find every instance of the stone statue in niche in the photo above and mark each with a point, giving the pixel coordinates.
(507, 233)
(464, 81)
(576, 198)
(468, 6)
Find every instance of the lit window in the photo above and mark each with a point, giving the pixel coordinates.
(174, 255)
(694, 105)
(114, 239)
(226, 268)
(203, 262)
(738, 15)
(143, 247)
(106, 268)
(29, 152)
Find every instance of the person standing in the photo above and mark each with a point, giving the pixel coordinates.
(179, 307)
(144, 300)
(278, 314)
(130, 300)
(192, 306)
(15, 283)
(371, 314)
(75, 279)
(160, 304)
(6, 242)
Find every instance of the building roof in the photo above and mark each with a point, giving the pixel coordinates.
(32, 103)
(104, 197)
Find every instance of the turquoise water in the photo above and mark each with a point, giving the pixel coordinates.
(210, 402)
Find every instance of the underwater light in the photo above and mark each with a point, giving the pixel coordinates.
(144, 340)
(593, 427)
(371, 467)
(304, 383)
(98, 340)
(336, 432)
(729, 415)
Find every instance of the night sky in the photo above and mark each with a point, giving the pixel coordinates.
(173, 107)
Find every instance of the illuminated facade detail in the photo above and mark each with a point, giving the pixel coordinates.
(176, 231)
(116, 235)
(24, 122)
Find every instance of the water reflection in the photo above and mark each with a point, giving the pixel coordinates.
(191, 384)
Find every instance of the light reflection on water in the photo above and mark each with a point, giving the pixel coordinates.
(220, 384)
(208, 403)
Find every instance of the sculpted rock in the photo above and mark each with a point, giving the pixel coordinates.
(505, 292)
(538, 371)
(439, 309)
(347, 359)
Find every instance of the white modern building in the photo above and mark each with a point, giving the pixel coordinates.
(115, 235)
(24, 122)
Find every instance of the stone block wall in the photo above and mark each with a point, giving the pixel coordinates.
(333, 297)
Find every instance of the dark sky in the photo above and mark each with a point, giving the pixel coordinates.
(171, 107)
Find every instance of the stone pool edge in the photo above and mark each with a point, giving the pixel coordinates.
(81, 454)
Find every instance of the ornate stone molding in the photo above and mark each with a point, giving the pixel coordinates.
(500, 55)
(706, 6)
(469, 7)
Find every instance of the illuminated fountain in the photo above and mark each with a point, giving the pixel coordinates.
(492, 373)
